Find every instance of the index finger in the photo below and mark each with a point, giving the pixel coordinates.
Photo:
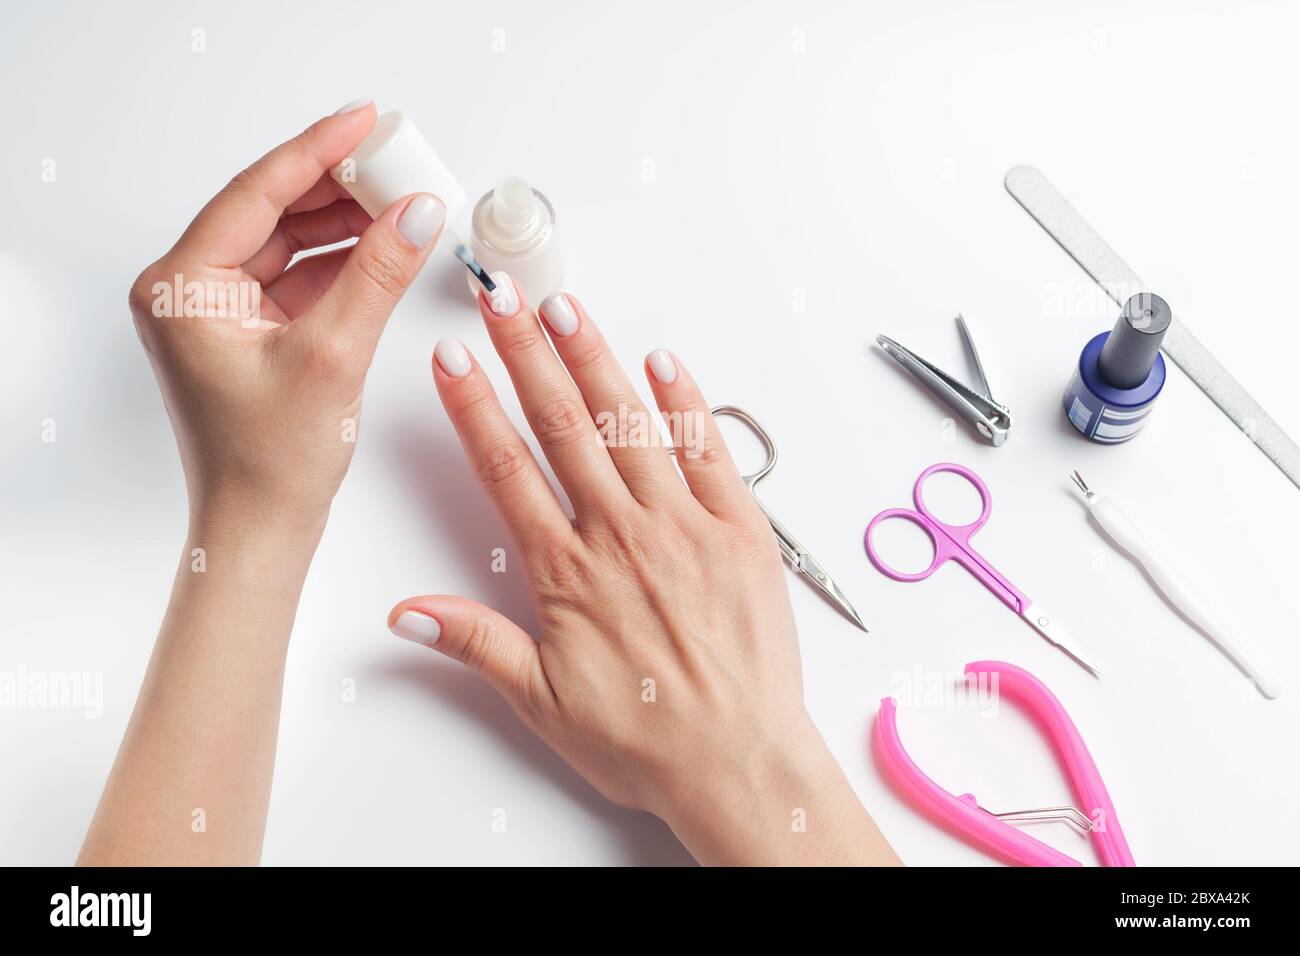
(233, 226)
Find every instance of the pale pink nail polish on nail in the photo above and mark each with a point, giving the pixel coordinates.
(558, 312)
(351, 107)
(663, 366)
(452, 357)
(421, 220)
(417, 627)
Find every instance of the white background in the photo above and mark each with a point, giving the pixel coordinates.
(846, 156)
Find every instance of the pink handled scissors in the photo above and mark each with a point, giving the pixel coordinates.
(952, 543)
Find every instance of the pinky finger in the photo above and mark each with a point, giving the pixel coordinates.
(702, 454)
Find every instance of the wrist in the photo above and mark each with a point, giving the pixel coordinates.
(787, 803)
(246, 522)
(239, 581)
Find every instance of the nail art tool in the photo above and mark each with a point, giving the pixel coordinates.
(952, 543)
(393, 161)
(1064, 224)
(991, 420)
(1097, 818)
(808, 567)
(1169, 582)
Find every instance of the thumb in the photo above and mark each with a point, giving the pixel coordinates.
(478, 637)
(380, 267)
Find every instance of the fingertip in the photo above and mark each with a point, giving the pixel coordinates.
(356, 106)
(662, 365)
(421, 220)
(560, 311)
(503, 302)
(452, 358)
(414, 624)
(333, 137)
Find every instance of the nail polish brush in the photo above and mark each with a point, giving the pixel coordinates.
(393, 161)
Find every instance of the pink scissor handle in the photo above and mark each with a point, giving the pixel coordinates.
(950, 541)
(962, 813)
(965, 814)
(958, 532)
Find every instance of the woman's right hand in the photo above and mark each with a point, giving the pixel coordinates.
(666, 670)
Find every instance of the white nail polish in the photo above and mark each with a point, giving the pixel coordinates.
(513, 229)
(504, 300)
(421, 220)
(452, 357)
(351, 107)
(558, 312)
(663, 366)
(418, 628)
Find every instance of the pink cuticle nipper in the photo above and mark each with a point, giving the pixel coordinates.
(1097, 816)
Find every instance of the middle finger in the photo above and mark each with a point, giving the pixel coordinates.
(551, 402)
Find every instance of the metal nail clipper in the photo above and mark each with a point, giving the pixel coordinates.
(990, 419)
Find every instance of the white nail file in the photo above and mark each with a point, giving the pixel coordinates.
(1064, 224)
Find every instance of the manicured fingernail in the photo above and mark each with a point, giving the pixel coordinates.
(421, 220)
(558, 312)
(663, 366)
(452, 356)
(418, 628)
(504, 300)
(351, 107)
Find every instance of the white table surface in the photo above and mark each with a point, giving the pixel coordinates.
(762, 187)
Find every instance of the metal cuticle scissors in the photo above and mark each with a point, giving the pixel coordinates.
(800, 559)
(952, 543)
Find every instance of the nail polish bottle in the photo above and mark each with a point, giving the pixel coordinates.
(513, 230)
(1120, 373)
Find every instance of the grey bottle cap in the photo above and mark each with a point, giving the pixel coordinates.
(1130, 351)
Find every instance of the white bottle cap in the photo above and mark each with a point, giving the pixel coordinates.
(395, 161)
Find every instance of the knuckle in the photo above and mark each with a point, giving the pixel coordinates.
(243, 181)
(474, 650)
(704, 452)
(300, 143)
(630, 548)
(524, 336)
(500, 463)
(470, 403)
(386, 269)
(141, 296)
(581, 358)
(559, 571)
(754, 534)
(330, 356)
(559, 421)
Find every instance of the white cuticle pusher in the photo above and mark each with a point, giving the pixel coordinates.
(1171, 583)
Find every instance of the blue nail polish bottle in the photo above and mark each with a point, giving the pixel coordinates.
(1120, 373)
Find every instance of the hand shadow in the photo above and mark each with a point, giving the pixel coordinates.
(461, 517)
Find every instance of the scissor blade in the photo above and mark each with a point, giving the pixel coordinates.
(1042, 622)
(811, 569)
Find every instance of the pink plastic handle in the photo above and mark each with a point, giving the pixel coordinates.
(951, 542)
(1018, 683)
(964, 814)
(959, 533)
